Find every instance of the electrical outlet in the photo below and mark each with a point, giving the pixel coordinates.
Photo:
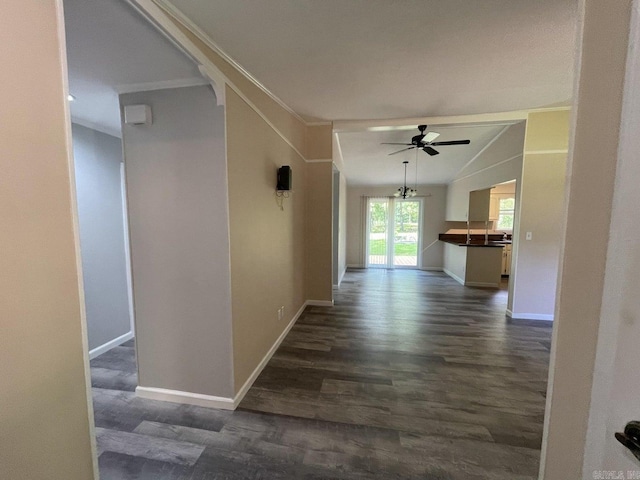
(280, 313)
(528, 236)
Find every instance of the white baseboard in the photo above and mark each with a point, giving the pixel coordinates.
(116, 342)
(319, 303)
(224, 402)
(432, 269)
(256, 372)
(354, 265)
(530, 316)
(189, 398)
(482, 284)
(454, 276)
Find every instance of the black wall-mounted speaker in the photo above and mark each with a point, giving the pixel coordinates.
(284, 178)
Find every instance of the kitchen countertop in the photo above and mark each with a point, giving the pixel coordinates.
(495, 241)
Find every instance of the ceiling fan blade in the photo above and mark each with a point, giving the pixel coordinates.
(403, 150)
(386, 143)
(453, 142)
(430, 137)
(431, 151)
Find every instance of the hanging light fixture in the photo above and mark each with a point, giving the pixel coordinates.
(405, 191)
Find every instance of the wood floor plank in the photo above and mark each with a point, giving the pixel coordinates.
(408, 376)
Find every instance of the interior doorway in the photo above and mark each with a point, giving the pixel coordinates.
(393, 232)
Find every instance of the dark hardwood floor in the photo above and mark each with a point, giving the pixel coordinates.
(409, 376)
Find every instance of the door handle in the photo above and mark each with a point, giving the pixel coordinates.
(630, 438)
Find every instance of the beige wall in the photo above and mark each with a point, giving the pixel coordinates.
(342, 239)
(267, 243)
(615, 392)
(483, 266)
(319, 144)
(592, 168)
(290, 126)
(45, 418)
(178, 218)
(432, 223)
(455, 261)
(541, 203)
(269, 264)
(319, 240)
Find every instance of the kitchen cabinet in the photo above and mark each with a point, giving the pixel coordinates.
(506, 260)
(494, 207)
(479, 205)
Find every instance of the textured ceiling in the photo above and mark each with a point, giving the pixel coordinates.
(374, 59)
(110, 46)
(346, 60)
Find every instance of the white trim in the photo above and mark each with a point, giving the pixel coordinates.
(127, 246)
(160, 17)
(338, 154)
(176, 396)
(202, 36)
(217, 81)
(96, 127)
(355, 265)
(475, 157)
(530, 316)
(487, 168)
(482, 284)
(110, 344)
(545, 152)
(454, 276)
(432, 269)
(160, 85)
(320, 160)
(263, 363)
(320, 303)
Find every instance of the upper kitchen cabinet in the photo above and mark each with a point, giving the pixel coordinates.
(479, 204)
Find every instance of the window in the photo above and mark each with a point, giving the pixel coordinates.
(506, 214)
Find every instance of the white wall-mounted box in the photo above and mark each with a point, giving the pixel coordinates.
(137, 115)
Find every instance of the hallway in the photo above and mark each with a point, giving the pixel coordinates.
(410, 375)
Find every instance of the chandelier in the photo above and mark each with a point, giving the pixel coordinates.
(404, 191)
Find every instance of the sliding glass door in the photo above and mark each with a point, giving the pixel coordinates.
(393, 232)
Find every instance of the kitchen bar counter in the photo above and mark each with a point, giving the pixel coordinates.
(477, 267)
(495, 241)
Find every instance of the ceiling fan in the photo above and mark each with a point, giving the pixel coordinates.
(426, 142)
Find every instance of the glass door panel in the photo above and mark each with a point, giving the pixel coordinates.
(377, 236)
(406, 231)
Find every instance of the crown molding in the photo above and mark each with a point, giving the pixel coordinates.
(161, 85)
(318, 124)
(198, 32)
(94, 126)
